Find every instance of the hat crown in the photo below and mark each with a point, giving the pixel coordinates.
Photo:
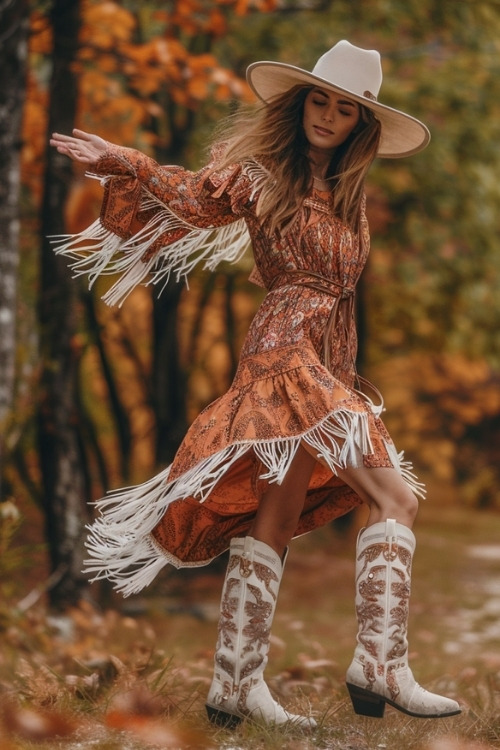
(351, 68)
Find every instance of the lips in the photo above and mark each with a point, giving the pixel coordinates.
(322, 131)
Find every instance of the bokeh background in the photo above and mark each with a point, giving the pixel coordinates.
(95, 397)
(92, 397)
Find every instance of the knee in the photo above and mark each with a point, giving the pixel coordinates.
(401, 505)
(409, 506)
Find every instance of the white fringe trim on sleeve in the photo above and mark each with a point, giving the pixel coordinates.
(97, 251)
(120, 543)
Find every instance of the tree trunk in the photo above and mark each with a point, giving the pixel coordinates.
(13, 53)
(169, 382)
(60, 449)
(169, 378)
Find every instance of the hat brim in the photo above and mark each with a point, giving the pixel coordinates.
(401, 134)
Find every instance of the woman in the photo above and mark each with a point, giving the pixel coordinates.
(294, 443)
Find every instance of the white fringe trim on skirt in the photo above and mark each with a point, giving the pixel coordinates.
(120, 543)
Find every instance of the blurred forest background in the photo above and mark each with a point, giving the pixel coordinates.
(93, 397)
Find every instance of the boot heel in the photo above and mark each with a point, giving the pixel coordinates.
(222, 718)
(366, 703)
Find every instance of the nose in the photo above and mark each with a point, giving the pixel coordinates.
(328, 114)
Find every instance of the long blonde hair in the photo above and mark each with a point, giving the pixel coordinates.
(273, 135)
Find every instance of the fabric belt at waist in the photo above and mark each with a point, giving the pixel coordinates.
(343, 306)
(340, 318)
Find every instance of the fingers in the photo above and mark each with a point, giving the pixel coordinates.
(60, 139)
(81, 146)
(99, 144)
(64, 142)
(69, 146)
(83, 135)
(76, 135)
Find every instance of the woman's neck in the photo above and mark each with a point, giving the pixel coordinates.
(319, 160)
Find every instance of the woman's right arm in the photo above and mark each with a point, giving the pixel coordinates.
(83, 147)
(155, 221)
(128, 172)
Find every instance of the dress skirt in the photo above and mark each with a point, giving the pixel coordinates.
(281, 397)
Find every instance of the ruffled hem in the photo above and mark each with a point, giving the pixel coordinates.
(120, 543)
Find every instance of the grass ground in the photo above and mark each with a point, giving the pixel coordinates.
(135, 675)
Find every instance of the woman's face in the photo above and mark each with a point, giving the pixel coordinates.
(328, 119)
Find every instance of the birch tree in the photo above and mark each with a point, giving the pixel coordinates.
(13, 55)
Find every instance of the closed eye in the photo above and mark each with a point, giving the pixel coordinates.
(346, 111)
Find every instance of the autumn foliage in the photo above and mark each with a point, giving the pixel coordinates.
(130, 66)
(143, 76)
(148, 75)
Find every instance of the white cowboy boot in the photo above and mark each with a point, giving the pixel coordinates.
(249, 595)
(379, 672)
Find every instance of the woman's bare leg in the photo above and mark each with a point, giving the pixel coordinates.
(384, 491)
(280, 507)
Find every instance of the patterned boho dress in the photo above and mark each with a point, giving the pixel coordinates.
(296, 381)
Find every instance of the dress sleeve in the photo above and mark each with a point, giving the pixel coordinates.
(157, 221)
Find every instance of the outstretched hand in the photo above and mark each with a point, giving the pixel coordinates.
(81, 146)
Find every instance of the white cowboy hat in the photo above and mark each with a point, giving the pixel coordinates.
(353, 71)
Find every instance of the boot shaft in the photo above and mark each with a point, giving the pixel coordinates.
(383, 582)
(248, 603)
